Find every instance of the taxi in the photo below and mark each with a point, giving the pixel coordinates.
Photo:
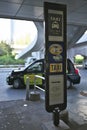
(17, 78)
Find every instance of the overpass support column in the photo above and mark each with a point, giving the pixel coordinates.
(70, 54)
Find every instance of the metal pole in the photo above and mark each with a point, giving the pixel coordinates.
(27, 88)
(56, 116)
(35, 84)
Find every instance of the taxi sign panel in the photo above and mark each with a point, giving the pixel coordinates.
(55, 56)
(56, 67)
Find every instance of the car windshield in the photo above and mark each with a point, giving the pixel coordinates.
(70, 66)
(35, 67)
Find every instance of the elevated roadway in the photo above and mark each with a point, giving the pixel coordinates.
(32, 10)
(78, 49)
(36, 45)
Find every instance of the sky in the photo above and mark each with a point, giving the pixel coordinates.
(4, 29)
(21, 27)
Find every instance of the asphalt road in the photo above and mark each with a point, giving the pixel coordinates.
(77, 99)
(7, 92)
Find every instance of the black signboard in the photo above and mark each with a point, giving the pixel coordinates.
(55, 56)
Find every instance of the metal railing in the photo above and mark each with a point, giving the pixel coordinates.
(35, 86)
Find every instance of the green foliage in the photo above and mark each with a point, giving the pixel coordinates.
(6, 60)
(6, 56)
(5, 48)
(78, 59)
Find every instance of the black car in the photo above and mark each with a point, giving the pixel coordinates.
(17, 78)
(73, 75)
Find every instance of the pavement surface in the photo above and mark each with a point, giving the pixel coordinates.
(19, 114)
(29, 115)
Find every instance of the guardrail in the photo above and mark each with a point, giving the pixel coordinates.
(11, 66)
(35, 86)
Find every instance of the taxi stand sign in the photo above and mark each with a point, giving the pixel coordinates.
(55, 56)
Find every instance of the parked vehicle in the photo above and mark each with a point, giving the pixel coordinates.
(73, 75)
(85, 64)
(17, 78)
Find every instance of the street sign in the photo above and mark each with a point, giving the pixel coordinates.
(55, 56)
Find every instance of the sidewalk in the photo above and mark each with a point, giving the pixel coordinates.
(27, 115)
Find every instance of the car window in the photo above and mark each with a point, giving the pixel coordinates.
(35, 67)
(70, 66)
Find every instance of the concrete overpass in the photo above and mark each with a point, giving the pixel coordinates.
(36, 45)
(78, 49)
(32, 10)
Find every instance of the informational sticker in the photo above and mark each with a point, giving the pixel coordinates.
(56, 90)
(55, 49)
(55, 20)
(56, 67)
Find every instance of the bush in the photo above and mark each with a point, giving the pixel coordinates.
(6, 60)
(78, 61)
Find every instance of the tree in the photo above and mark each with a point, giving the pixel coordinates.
(5, 48)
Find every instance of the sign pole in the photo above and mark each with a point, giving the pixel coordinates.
(56, 116)
(55, 58)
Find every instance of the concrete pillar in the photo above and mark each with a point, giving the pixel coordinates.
(70, 54)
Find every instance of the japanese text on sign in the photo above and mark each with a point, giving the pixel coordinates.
(56, 89)
(55, 20)
(56, 67)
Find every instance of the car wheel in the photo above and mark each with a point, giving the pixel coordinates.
(17, 83)
(69, 84)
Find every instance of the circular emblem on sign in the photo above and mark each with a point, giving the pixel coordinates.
(55, 49)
